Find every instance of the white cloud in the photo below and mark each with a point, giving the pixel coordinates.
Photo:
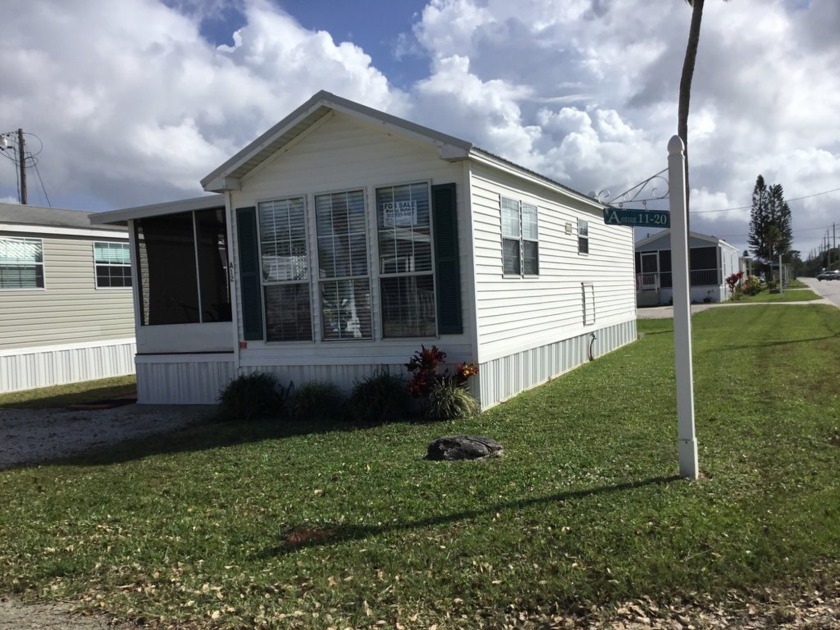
(584, 91)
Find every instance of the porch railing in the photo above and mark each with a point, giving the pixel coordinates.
(650, 281)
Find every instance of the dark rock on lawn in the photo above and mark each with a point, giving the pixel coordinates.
(452, 447)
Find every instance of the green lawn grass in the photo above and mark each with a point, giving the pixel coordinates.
(302, 526)
(72, 394)
(790, 295)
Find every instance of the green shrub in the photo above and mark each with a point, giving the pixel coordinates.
(379, 398)
(448, 401)
(318, 402)
(751, 285)
(253, 396)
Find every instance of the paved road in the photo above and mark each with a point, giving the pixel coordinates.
(829, 289)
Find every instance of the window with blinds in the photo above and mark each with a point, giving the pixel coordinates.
(583, 236)
(405, 261)
(285, 270)
(343, 266)
(520, 238)
(112, 262)
(21, 263)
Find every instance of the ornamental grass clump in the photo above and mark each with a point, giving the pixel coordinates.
(379, 398)
(317, 402)
(254, 396)
(449, 401)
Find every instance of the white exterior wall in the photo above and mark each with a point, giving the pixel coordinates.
(520, 331)
(70, 330)
(340, 154)
(532, 329)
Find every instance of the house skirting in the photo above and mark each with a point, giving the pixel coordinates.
(510, 375)
(198, 378)
(45, 366)
(183, 379)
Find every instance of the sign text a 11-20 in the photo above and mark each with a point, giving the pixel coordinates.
(637, 217)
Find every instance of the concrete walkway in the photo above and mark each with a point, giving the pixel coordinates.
(667, 312)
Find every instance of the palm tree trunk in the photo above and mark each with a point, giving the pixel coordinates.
(685, 83)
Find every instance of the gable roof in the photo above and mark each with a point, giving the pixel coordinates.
(667, 234)
(227, 176)
(25, 216)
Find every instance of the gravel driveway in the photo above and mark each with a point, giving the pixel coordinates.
(36, 435)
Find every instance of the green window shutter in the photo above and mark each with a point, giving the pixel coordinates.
(447, 264)
(249, 272)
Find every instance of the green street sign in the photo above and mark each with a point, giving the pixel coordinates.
(637, 218)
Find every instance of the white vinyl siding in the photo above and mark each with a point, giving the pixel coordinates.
(70, 310)
(536, 311)
(339, 155)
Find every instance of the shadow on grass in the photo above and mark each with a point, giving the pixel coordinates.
(210, 433)
(298, 537)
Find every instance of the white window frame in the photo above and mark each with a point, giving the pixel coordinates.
(583, 236)
(349, 319)
(411, 268)
(22, 263)
(97, 264)
(297, 275)
(526, 234)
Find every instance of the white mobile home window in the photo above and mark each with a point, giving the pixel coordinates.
(112, 262)
(405, 261)
(520, 238)
(343, 266)
(285, 270)
(21, 263)
(583, 236)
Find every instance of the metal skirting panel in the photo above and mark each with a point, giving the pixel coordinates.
(344, 376)
(29, 368)
(508, 376)
(199, 381)
(183, 382)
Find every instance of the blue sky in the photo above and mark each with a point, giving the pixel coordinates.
(135, 101)
(381, 28)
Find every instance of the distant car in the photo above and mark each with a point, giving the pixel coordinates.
(831, 274)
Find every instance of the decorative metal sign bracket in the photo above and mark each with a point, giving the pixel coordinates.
(643, 192)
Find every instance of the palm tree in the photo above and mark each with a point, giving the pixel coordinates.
(688, 69)
(685, 81)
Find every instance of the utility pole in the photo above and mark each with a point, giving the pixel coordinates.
(22, 166)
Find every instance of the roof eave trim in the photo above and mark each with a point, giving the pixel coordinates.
(487, 158)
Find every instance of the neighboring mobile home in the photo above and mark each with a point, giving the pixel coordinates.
(712, 260)
(353, 238)
(66, 311)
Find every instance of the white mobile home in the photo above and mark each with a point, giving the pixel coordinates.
(712, 260)
(353, 237)
(66, 311)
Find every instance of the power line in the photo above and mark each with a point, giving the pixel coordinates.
(825, 192)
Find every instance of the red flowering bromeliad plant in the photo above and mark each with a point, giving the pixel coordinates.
(425, 371)
(733, 280)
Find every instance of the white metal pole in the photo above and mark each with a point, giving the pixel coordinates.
(686, 442)
(781, 277)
